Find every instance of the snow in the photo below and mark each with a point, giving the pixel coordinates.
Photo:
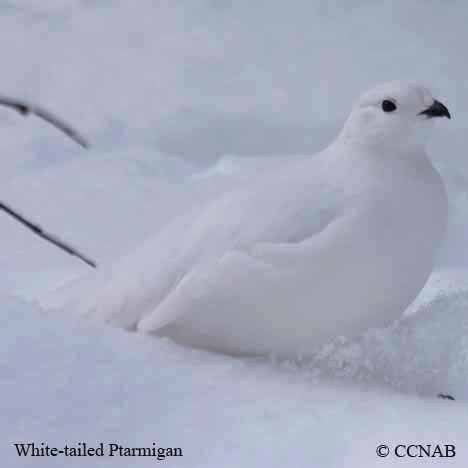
(184, 102)
(65, 382)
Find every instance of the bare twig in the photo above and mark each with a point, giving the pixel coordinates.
(45, 235)
(25, 108)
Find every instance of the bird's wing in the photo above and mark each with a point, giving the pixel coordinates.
(25, 108)
(205, 282)
(39, 231)
(261, 270)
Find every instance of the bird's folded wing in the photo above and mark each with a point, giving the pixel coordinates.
(267, 263)
(205, 284)
(185, 257)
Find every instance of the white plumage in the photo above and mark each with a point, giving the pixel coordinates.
(331, 245)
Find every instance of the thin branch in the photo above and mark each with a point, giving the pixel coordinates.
(25, 109)
(47, 236)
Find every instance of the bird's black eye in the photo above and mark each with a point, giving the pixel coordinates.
(388, 106)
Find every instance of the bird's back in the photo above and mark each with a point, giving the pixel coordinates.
(286, 207)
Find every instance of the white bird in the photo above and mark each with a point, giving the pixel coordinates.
(26, 108)
(331, 245)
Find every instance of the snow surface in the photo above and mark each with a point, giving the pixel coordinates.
(64, 382)
(183, 102)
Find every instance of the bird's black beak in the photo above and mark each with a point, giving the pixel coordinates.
(436, 109)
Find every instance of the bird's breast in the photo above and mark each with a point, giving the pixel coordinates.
(404, 221)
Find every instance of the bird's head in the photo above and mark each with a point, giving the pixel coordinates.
(392, 114)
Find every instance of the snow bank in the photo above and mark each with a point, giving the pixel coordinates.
(65, 382)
